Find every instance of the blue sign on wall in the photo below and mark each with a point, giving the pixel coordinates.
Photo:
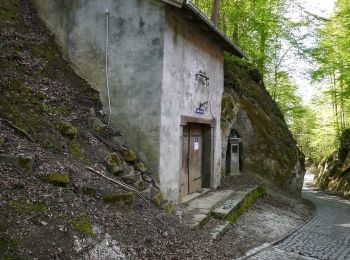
(200, 111)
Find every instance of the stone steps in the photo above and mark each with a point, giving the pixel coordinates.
(198, 211)
(226, 206)
(220, 229)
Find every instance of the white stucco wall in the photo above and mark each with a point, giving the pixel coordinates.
(154, 55)
(187, 51)
(135, 56)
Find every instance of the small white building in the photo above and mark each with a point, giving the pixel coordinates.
(165, 78)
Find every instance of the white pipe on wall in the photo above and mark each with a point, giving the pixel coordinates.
(106, 68)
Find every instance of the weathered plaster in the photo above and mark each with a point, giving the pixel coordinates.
(154, 54)
(187, 51)
(135, 60)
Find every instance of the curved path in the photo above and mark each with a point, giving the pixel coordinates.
(326, 236)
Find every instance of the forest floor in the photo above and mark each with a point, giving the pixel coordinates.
(43, 218)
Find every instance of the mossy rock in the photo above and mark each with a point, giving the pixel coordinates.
(76, 150)
(141, 185)
(25, 162)
(21, 161)
(67, 129)
(168, 206)
(140, 166)
(157, 199)
(123, 200)
(129, 155)
(113, 163)
(132, 177)
(84, 225)
(57, 179)
(96, 124)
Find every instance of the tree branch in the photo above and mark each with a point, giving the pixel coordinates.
(120, 183)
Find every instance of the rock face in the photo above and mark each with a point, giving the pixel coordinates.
(333, 175)
(268, 147)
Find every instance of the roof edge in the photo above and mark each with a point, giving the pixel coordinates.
(189, 5)
(177, 3)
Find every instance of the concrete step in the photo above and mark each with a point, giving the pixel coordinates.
(234, 206)
(225, 205)
(219, 229)
(197, 212)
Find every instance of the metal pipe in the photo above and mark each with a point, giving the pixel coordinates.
(106, 68)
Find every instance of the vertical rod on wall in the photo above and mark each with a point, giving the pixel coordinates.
(107, 81)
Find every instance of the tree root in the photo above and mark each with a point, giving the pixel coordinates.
(18, 129)
(120, 183)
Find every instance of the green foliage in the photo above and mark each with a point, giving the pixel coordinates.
(332, 57)
(257, 27)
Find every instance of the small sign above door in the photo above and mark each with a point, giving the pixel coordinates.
(199, 111)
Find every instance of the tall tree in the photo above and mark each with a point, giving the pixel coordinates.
(215, 12)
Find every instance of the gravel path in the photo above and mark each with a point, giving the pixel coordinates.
(327, 236)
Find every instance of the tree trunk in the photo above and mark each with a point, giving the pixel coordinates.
(215, 11)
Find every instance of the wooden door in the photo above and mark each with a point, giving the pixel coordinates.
(192, 156)
(195, 158)
(184, 167)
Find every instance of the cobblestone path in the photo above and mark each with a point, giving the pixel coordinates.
(327, 236)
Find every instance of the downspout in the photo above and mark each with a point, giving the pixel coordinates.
(106, 68)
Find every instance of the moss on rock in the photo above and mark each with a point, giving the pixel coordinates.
(168, 206)
(157, 199)
(83, 224)
(67, 129)
(246, 203)
(129, 155)
(23, 205)
(113, 163)
(57, 179)
(26, 162)
(140, 166)
(96, 124)
(123, 200)
(76, 149)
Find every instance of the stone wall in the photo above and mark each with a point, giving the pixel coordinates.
(333, 175)
(269, 148)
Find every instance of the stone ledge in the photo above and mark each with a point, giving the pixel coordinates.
(219, 230)
(239, 202)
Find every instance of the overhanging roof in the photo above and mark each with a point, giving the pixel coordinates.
(208, 25)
